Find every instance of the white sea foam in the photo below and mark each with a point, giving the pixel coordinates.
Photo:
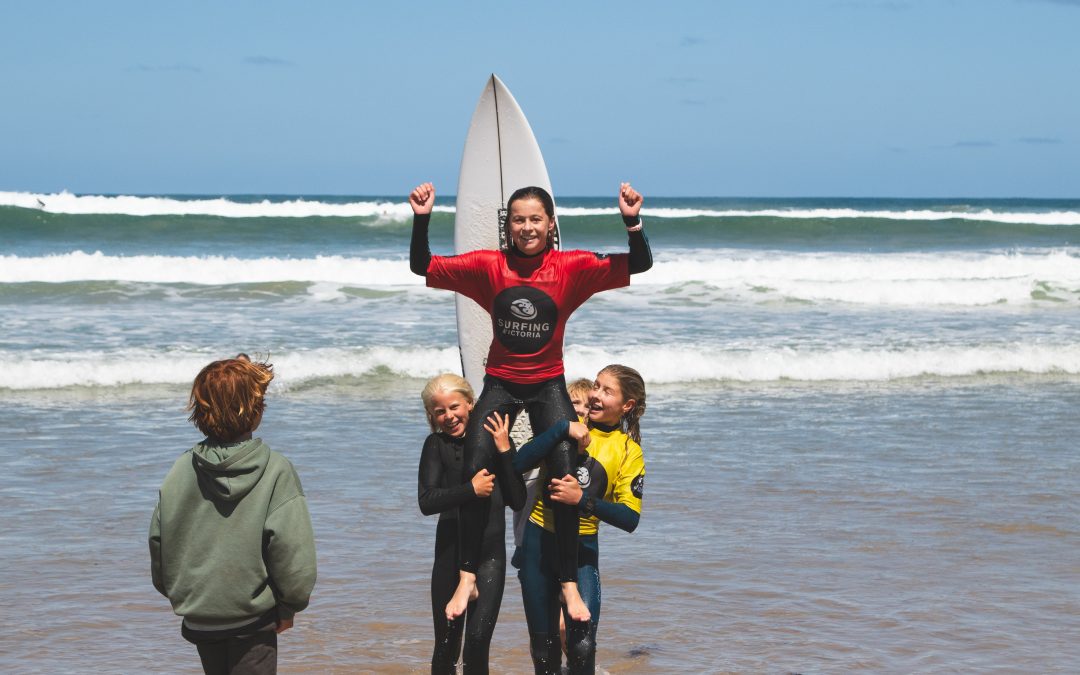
(65, 202)
(208, 270)
(39, 370)
(901, 279)
(895, 279)
(658, 364)
(673, 364)
(399, 211)
(983, 215)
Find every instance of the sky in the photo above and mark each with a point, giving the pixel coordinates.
(785, 98)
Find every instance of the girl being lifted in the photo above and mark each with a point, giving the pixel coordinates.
(529, 290)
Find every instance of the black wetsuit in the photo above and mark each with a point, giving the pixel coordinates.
(544, 398)
(443, 488)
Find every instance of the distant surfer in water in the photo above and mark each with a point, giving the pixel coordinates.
(529, 290)
(442, 489)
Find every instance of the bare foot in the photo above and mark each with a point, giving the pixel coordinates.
(575, 606)
(466, 592)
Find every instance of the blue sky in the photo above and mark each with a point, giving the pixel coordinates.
(905, 98)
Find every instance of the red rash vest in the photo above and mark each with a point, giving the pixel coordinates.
(529, 300)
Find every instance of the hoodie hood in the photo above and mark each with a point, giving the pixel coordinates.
(228, 472)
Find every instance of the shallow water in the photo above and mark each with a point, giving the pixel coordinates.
(927, 526)
(860, 438)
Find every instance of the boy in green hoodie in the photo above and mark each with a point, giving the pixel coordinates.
(231, 544)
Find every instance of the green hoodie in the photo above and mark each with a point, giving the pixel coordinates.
(231, 536)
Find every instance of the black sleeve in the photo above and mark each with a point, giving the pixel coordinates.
(419, 251)
(432, 497)
(510, 481)
(537, 448)
(619, 515)
(640, 252)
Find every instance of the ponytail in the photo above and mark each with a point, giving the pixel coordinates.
(632, 386)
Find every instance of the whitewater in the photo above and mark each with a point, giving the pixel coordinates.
(139, 205)
(858, 391)
(123, 291)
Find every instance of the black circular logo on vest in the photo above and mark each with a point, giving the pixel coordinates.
(637, 487)
(524, 319)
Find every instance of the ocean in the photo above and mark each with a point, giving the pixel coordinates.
(860, 437)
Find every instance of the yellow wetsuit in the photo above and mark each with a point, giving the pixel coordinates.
(613, 471)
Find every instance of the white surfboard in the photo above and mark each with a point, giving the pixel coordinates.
(501, 155)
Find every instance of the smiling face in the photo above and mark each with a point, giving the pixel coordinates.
(450, 412)
(530, 225)
(580, 402)
(606, 402)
